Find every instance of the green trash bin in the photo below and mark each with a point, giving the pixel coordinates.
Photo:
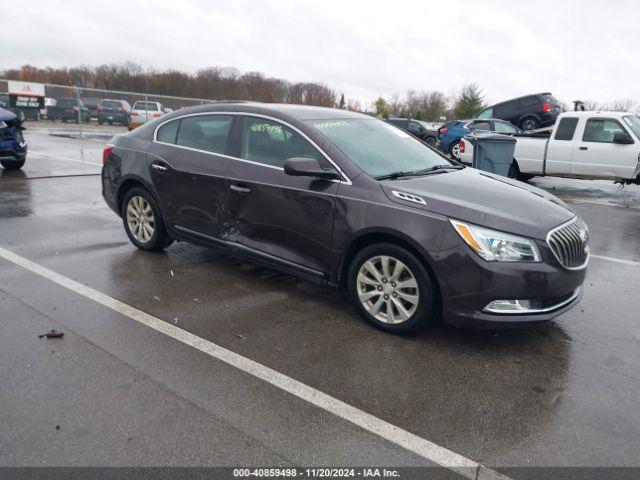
(493, 152)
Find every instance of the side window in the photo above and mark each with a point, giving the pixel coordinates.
(601, 130)
(168, 132)
(528, 102)
(501, 127)
(269, 142)
(414, 127)
(486, 113)
(566, 128)
(205, 132)
(480, 126)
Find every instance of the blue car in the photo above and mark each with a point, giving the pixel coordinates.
(450, 133)
(13, 147)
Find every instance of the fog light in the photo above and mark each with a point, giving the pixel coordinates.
(512, 306)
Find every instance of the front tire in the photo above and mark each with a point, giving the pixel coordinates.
(143, 221)
(391, 288)
(12, 165)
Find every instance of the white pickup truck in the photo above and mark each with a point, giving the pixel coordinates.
(592, 145)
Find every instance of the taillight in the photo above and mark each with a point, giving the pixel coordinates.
(105, 153)
(546, 107)
(156, 115)
(134, 114)
(74, 109)
(461, 146)
(443, 131)
(99, 107)
(121, 109)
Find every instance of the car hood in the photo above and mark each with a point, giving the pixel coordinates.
(6, 115)
(484, 199)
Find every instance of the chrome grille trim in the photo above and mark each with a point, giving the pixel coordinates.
(567, 244)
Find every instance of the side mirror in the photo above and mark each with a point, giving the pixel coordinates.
(622, 138)
(308, 167)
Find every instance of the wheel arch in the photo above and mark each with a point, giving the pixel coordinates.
(371, 237)
(130, 182)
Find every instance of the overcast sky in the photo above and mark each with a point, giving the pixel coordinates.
(576, 49)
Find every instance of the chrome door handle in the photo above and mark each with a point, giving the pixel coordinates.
(240, 189)
(158, 167)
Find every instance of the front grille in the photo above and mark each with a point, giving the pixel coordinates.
(570, 244)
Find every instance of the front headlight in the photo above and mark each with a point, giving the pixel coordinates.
(497, 246)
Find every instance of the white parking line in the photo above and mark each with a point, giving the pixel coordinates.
(631, 263)
(413, 443)
(57, 157)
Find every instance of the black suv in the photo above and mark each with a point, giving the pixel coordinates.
(114, 111)
(528, 112)
(350, 201)
(417, 128)
(66, 109)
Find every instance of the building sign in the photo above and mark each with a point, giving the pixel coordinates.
(24, 101)
(26, 88)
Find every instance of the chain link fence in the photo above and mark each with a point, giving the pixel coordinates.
(84, 109)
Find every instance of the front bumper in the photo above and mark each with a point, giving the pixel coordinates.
(12, 154)
(469, 284)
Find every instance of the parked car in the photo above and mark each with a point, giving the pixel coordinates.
(13, 147)
(48, 102)
(66, 109)
(417, 128)
(114, 111)
(529, 112)
(592, 145)
(452, 132)
(22, 114)
(350, 201)
(92, 104)
(143, 111)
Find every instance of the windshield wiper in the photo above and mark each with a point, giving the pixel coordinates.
(394, 175)
(424, 171)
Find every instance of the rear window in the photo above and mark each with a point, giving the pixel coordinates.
(111, 104)
(566, 128)
(67, 102)
(145, 106)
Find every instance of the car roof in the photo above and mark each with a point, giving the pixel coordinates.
(299, 112)
(596, 113)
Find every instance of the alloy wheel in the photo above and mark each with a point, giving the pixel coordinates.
(387, 289)
(455, 150)
(140, 219)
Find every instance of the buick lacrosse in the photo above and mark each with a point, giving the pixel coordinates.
(354, 202)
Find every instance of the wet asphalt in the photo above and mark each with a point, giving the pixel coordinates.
(115, 393)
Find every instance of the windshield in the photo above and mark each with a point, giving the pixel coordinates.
(634, 124)
(377, 147)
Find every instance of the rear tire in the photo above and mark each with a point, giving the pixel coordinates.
(13, 165)
(391, 288)
(529, 123)
(143, 222)
(454, 150)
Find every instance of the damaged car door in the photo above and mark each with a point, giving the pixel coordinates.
(272, 214)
